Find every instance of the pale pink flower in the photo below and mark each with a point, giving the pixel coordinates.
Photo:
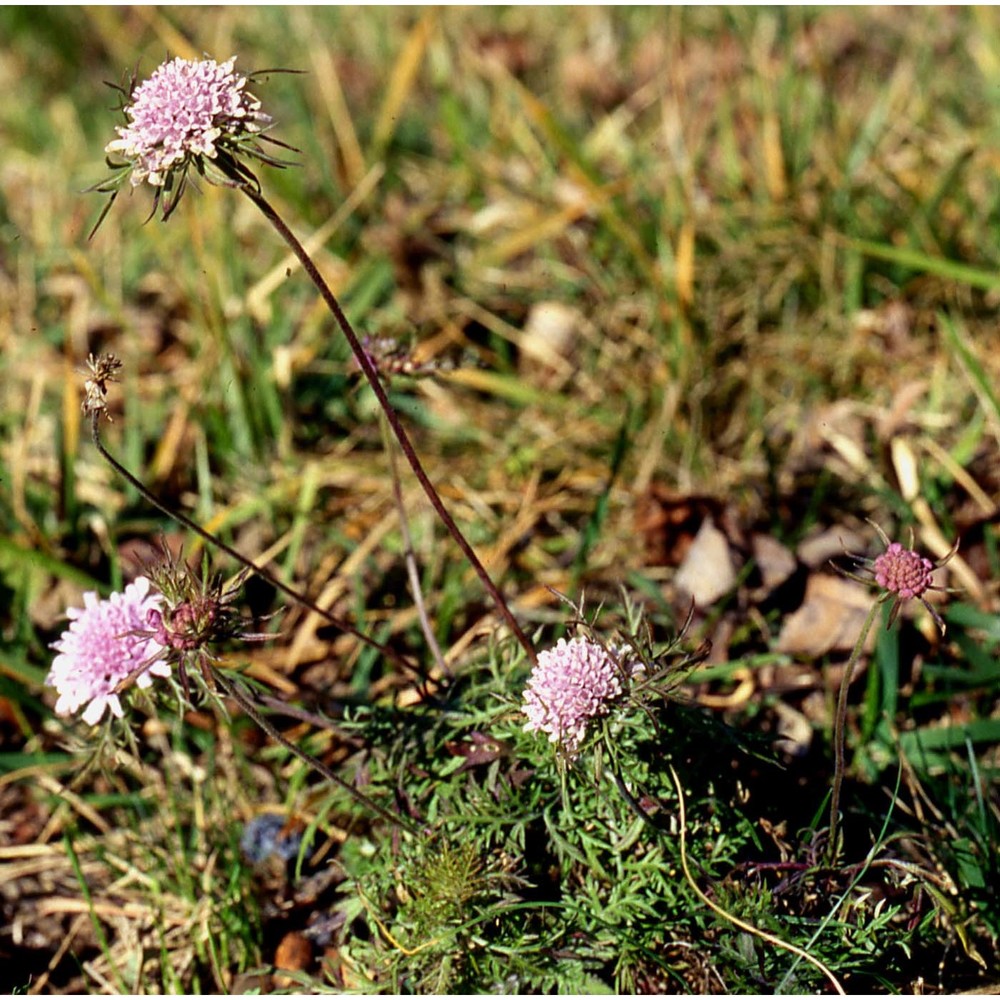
(107, 641)
(187, 110)
(189, 113)
(575, 681)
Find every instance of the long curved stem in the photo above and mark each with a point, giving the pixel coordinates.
(243, 560)
(371, 374)
(839, 730)
(661, 828)
(725, 914)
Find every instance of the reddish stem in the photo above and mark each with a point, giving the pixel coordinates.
(371, 374)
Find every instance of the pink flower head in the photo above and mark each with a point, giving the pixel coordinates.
(187, 110)
(106, 642)
(903, 572)
(572, 683)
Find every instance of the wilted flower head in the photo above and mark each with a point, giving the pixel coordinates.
(101, 370)
(572, 683)
(188, 113)
(389, 357)
(107, 641)
(196, 616)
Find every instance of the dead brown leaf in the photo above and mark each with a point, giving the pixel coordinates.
(830, 618)
(708, 571)
(668, 522)
(294, 954)
(775, 563)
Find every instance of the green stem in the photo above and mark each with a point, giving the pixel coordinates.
(371, 374)
(840, 727)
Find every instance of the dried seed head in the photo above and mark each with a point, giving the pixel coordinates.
(103, 369)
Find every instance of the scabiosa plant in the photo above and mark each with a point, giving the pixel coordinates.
(200, 114)
(107, 643)
(195, 614)
(574, 682)
(901, 574)
(172, 617)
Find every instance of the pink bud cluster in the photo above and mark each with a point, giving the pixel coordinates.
(903, 572)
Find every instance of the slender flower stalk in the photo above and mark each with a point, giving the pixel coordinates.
(234, 691)
(372, 375)
(840, 728)
(104, 370)
(903, 575)
(199, 115)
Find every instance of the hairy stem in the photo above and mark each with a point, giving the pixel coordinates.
(371, 374)
(243, 560)
(839, 731)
